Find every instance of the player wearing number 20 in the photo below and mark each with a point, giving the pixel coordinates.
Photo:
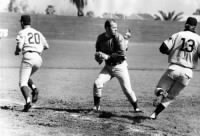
(31, 44)
(183, 50)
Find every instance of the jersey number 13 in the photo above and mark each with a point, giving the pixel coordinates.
(188, 45)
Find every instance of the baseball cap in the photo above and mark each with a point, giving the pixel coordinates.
(191, 21)
(26, 19)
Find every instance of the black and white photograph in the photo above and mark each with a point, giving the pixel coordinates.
(99, 68)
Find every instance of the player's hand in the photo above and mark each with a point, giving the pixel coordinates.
(16, 53)
(98, 58)
(99, 61)
(127, 34)
(102, 55)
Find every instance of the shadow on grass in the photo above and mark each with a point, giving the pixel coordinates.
(100, 114)
(64, 109)
(137, 118)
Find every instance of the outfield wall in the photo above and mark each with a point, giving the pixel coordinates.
(85, 28)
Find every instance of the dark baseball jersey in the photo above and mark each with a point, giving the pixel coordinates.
(109, 45)
(112, 45)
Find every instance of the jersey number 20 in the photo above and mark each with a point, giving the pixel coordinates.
(188, 45)
(33, 38)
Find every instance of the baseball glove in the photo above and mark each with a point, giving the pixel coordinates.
(100, 57)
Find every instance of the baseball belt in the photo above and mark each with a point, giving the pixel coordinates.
(115, 62)
(32, 52)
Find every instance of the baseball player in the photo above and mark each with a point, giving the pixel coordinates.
(111, 47)
(31, 43)
(183, 50)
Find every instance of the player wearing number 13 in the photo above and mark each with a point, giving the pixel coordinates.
(31, 43)
(183, 50)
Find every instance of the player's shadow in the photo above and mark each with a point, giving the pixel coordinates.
(20, 108)
(11, 108)
(64, 109)
(136, 118)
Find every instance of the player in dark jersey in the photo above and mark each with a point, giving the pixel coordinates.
(111, 47)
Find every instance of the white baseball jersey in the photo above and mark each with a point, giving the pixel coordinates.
(184, 49)
(30, 39)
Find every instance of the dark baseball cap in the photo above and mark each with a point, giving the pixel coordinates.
(191, 21)
(26, 19)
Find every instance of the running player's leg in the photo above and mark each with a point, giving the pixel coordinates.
(25, 72)
(172, 93)
(162, 87)
(171, 83)
(103, 77)
(123, 77)
(181, 82)
(30, 81)
(35, 91)
(37, 64)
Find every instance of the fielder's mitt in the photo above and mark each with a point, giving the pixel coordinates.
(100, 57)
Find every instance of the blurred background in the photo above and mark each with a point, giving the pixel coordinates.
(165, 10)
(149, 20)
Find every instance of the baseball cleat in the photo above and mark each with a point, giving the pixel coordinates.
(27, 107)
(35, 96)
(96, 108)
(153, 116)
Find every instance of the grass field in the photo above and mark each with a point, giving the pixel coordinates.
(84, 28)
(65, 81)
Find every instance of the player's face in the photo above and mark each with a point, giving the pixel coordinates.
(112, 29)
